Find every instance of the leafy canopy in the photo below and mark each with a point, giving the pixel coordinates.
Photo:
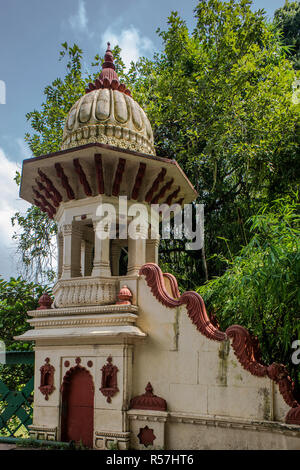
(260, 288)
(287, 19)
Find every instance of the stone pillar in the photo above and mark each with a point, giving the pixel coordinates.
(137, 252)
(101, 265)
(71, 251)
(60, 254)
(152, 245)
(115, 258)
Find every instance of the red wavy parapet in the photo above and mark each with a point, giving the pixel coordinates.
(246, 350)
(293, 416)
(280, 375)
(245, 346)
(173, 284)
(193, 301)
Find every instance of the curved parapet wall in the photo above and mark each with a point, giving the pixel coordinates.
(245, 347)
(193, 301)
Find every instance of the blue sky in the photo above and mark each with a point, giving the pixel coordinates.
(31, 32)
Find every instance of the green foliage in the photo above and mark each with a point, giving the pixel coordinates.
(17, 297)
(260, 289)
(220, 100)
(36, 244)
(287, 19)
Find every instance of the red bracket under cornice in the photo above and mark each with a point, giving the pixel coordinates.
(245, 347)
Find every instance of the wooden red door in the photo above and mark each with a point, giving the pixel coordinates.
(77, 417)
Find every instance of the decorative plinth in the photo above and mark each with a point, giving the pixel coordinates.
(112, 440)
(43, 433)
(147, 429)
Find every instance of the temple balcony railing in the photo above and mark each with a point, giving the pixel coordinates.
(80, 291)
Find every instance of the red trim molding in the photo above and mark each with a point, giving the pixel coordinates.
(193, 301)
(138, 181)
(82, 177)
(293, 416)
(118, 177)
(173, 284)
(245, 347)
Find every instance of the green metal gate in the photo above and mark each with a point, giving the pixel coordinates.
(16, 407)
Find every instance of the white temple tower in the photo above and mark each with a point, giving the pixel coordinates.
(89, 330)
(118, 328)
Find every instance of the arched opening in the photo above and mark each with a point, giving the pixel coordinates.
(77, 412)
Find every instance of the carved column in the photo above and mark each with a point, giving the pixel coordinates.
(71, 251)
(137, 252)
(115, 257)
(60, 254)
(152, 250)
(101, 265)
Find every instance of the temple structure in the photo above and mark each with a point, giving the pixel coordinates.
(122, 358)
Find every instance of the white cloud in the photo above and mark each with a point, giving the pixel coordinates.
(130, 40)
(23, 148)
(9, 204)
(79, 21)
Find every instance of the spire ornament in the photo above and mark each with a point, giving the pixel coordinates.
(108, 77)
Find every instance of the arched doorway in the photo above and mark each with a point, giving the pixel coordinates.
(77, 412)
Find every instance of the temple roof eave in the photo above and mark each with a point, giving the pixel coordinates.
(73, 175)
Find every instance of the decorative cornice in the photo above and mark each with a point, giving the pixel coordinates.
(108, 134)
(246, 348)
(88, 310)
(125, 319)
(33, 427)
(112, 434)
(235, 423)
(148, 415)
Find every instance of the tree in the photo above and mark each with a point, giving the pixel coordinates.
(17, 297)
(260, 288)
(287, 20)
(220, 101)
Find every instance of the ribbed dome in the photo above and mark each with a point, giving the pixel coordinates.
(108, 114)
